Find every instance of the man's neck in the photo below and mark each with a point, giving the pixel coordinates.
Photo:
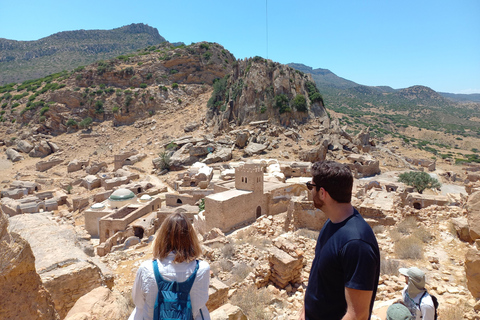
(338, 212)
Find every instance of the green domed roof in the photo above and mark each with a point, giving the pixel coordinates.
(121, 195)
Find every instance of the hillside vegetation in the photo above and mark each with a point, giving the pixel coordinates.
(27, 60)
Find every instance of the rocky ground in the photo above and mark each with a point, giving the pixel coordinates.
(239, 258)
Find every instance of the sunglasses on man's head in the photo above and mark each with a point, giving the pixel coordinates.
(310, 185)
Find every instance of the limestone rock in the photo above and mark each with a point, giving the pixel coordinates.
(23, 294)
(473, 209)
(461, 227)
(217, 294)
(66, 271)
(24, 146)
(228, 312)
(318, 153)
(472, 270)
(220, 155)
(192, 126)
(41, 150)
(182, 158)
(255, 148)
(100, 303)
(13, 155)
(241, 138)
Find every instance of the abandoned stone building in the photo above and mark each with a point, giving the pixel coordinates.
(236, 203)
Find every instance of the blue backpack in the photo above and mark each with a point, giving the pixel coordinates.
(173, 299)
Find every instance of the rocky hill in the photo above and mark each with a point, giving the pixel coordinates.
(136, 86)
(26, 60)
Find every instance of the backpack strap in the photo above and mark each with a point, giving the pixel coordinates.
(420, 302)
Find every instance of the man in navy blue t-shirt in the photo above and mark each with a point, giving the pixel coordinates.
(344, 275)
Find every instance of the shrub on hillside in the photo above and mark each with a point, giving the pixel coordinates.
(409, 248)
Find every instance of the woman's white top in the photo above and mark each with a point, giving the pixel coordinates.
(427, 308)
(145, 290)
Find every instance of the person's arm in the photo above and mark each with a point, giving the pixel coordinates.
(138, 296)
(199, 291)
(358, 304)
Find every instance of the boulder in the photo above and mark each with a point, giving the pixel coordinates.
(222, 154)
(473, 211)
(228, 312)
(65, 270)
(192, 126)
(255, 148)
(100, 303)
(200, 150)
(23, 294)
(472, 270)
(182, 158)
(461, 227)
(217, 294)
(24, 146)
(13, 155)
(319, 153)
(241, 138)
(95, 167)
(41, 150)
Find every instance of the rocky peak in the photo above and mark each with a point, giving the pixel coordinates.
(260, 89)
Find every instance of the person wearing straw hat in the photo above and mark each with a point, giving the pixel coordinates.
(415, 296)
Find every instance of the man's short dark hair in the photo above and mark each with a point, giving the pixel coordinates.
(335, 178)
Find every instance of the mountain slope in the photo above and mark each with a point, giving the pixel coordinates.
(25, 60)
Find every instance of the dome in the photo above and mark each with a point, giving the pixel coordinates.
(145, 197)
(98, 206)
(121, 195)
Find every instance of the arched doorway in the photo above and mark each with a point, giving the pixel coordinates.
(138, 231)
(259, 212)
(417, 205)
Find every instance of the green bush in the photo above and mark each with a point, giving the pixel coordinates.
(43, 110)
(300, 103)
(143, 85)
(85, 123)
(71, 123)
(115, 109)
(174, 85)
(99, 106)
(219, 93)
(420, 180)
(282, 103)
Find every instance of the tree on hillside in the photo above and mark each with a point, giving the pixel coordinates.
(419, 180)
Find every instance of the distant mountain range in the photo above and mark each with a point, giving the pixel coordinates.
(325, 79)
(67, 50)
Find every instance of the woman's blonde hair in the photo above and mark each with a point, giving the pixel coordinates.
(177, 234)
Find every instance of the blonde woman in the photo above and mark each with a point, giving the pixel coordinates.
(175, 252)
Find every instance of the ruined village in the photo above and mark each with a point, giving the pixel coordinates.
(80, 209)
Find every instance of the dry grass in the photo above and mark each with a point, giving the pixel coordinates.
(228, 250)
(423, 234)
(240, 272)
(310, 234)
(389, 266)
(409, 248)
(407, 225)
(253, 302)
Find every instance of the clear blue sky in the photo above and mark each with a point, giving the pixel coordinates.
(397, 43)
